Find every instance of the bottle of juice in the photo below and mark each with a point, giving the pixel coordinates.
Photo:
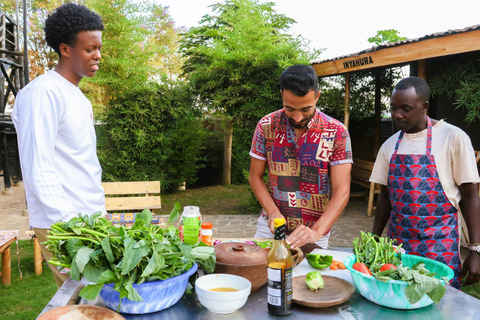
(280, 263)
(189, 229)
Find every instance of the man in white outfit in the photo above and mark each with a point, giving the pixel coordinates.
(54, 125)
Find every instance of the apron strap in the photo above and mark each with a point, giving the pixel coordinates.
(429, 136)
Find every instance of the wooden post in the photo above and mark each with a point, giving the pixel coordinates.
(6, 268)
(227, 154)
(37, 257)
(378, 109)
(422, 69)
(6, 265)
(346, 118)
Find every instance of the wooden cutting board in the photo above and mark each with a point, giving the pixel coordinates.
(80, 312)
(334, 292)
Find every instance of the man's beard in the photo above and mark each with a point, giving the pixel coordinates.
(303, 124)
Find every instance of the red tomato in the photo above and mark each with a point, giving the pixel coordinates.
(360, 267)
(388, 266)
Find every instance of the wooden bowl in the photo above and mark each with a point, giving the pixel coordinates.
(80, 312)
(244, 260)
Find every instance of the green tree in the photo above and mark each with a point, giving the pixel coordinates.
(165, 37)
(386, 36)
(126, 52)
(234, 60)
(140, 43)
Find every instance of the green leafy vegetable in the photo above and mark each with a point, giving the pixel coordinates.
(174, 214)
(103, 253)
(203, 255)
(319, 261)
(376, 252)
(263, 244)
(314, 280)
(420, 282)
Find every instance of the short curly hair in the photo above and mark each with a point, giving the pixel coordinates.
(66, 21)
(299, 79)
(421, 86)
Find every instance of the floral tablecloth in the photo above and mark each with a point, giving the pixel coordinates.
(7, 235)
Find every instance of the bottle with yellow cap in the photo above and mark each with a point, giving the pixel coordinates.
(280, 263)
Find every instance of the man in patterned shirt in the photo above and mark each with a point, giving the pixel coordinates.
(309, 158)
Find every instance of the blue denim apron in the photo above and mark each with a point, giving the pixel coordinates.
(422, 219)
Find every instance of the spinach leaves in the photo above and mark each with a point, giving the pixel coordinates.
(420, 281)
(101, 252)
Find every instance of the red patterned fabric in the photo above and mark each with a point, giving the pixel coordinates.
(298, 169)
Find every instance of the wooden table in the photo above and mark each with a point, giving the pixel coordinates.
(6, 238)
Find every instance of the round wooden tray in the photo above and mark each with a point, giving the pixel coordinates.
(80, 312)
(334, 292)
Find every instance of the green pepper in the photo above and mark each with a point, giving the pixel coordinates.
(319, 261)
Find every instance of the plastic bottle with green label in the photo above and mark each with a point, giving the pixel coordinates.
(190, 224)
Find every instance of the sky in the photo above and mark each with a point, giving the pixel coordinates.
(343, 26)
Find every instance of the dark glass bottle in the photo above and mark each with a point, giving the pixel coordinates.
(280, 262)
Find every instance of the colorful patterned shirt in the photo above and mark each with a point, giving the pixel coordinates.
(298, 169)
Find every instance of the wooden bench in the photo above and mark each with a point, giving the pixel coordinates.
(7, 237)
(361, 171)
(124, 199)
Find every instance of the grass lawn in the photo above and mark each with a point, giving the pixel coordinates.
(213, 200)
(25, 298)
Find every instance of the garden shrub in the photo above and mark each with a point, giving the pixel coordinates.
(152, 132)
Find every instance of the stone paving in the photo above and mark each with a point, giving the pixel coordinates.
(14, 215)
(13, 210)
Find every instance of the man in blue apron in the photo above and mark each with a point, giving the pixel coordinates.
(429, 180)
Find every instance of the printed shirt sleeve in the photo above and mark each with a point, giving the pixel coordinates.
(258, 142)
(342, 150)
(37, 126)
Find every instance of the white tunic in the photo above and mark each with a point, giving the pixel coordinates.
(57, 146)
